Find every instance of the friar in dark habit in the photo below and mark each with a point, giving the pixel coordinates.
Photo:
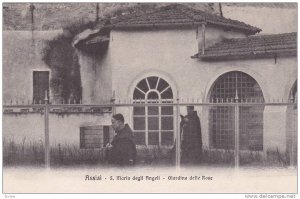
(122, 150)
(191, 138)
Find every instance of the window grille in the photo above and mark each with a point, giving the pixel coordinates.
(239, 87)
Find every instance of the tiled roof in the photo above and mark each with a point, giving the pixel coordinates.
(264, 5)
(178, 14)
(253, 46)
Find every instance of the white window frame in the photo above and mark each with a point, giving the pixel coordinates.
(159, 116)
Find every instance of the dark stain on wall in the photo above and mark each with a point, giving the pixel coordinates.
(62, 59)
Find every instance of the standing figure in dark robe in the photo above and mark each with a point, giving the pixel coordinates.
(191, 138)
(122, 150)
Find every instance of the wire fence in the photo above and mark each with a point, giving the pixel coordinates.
(229, 127)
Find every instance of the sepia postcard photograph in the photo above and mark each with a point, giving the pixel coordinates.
(142, 97)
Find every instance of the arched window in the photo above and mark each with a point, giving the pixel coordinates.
(153, 124)
(230, 87)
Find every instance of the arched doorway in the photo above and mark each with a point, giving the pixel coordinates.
(240, 87)
(153, 124)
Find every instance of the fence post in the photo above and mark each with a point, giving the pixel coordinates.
(290, 111)
(47, 143)
(237, 131)
(113, 101)
(177, 134)
(237, 137)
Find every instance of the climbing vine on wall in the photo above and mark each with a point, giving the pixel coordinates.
(62, 59)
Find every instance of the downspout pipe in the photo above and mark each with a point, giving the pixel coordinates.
(203, 39)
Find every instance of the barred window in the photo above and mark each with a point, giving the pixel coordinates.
(236, 85)
(153, 124)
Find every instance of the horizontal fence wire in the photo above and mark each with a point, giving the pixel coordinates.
(150, 104)
(109, 106)
(150, 101)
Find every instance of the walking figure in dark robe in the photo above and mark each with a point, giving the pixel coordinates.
(122, 150)
(191, 138)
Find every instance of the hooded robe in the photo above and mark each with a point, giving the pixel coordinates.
(123, 151)
(191, 144)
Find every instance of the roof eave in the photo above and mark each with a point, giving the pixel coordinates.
(154, 25)
(250, 55)
(248, 30)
